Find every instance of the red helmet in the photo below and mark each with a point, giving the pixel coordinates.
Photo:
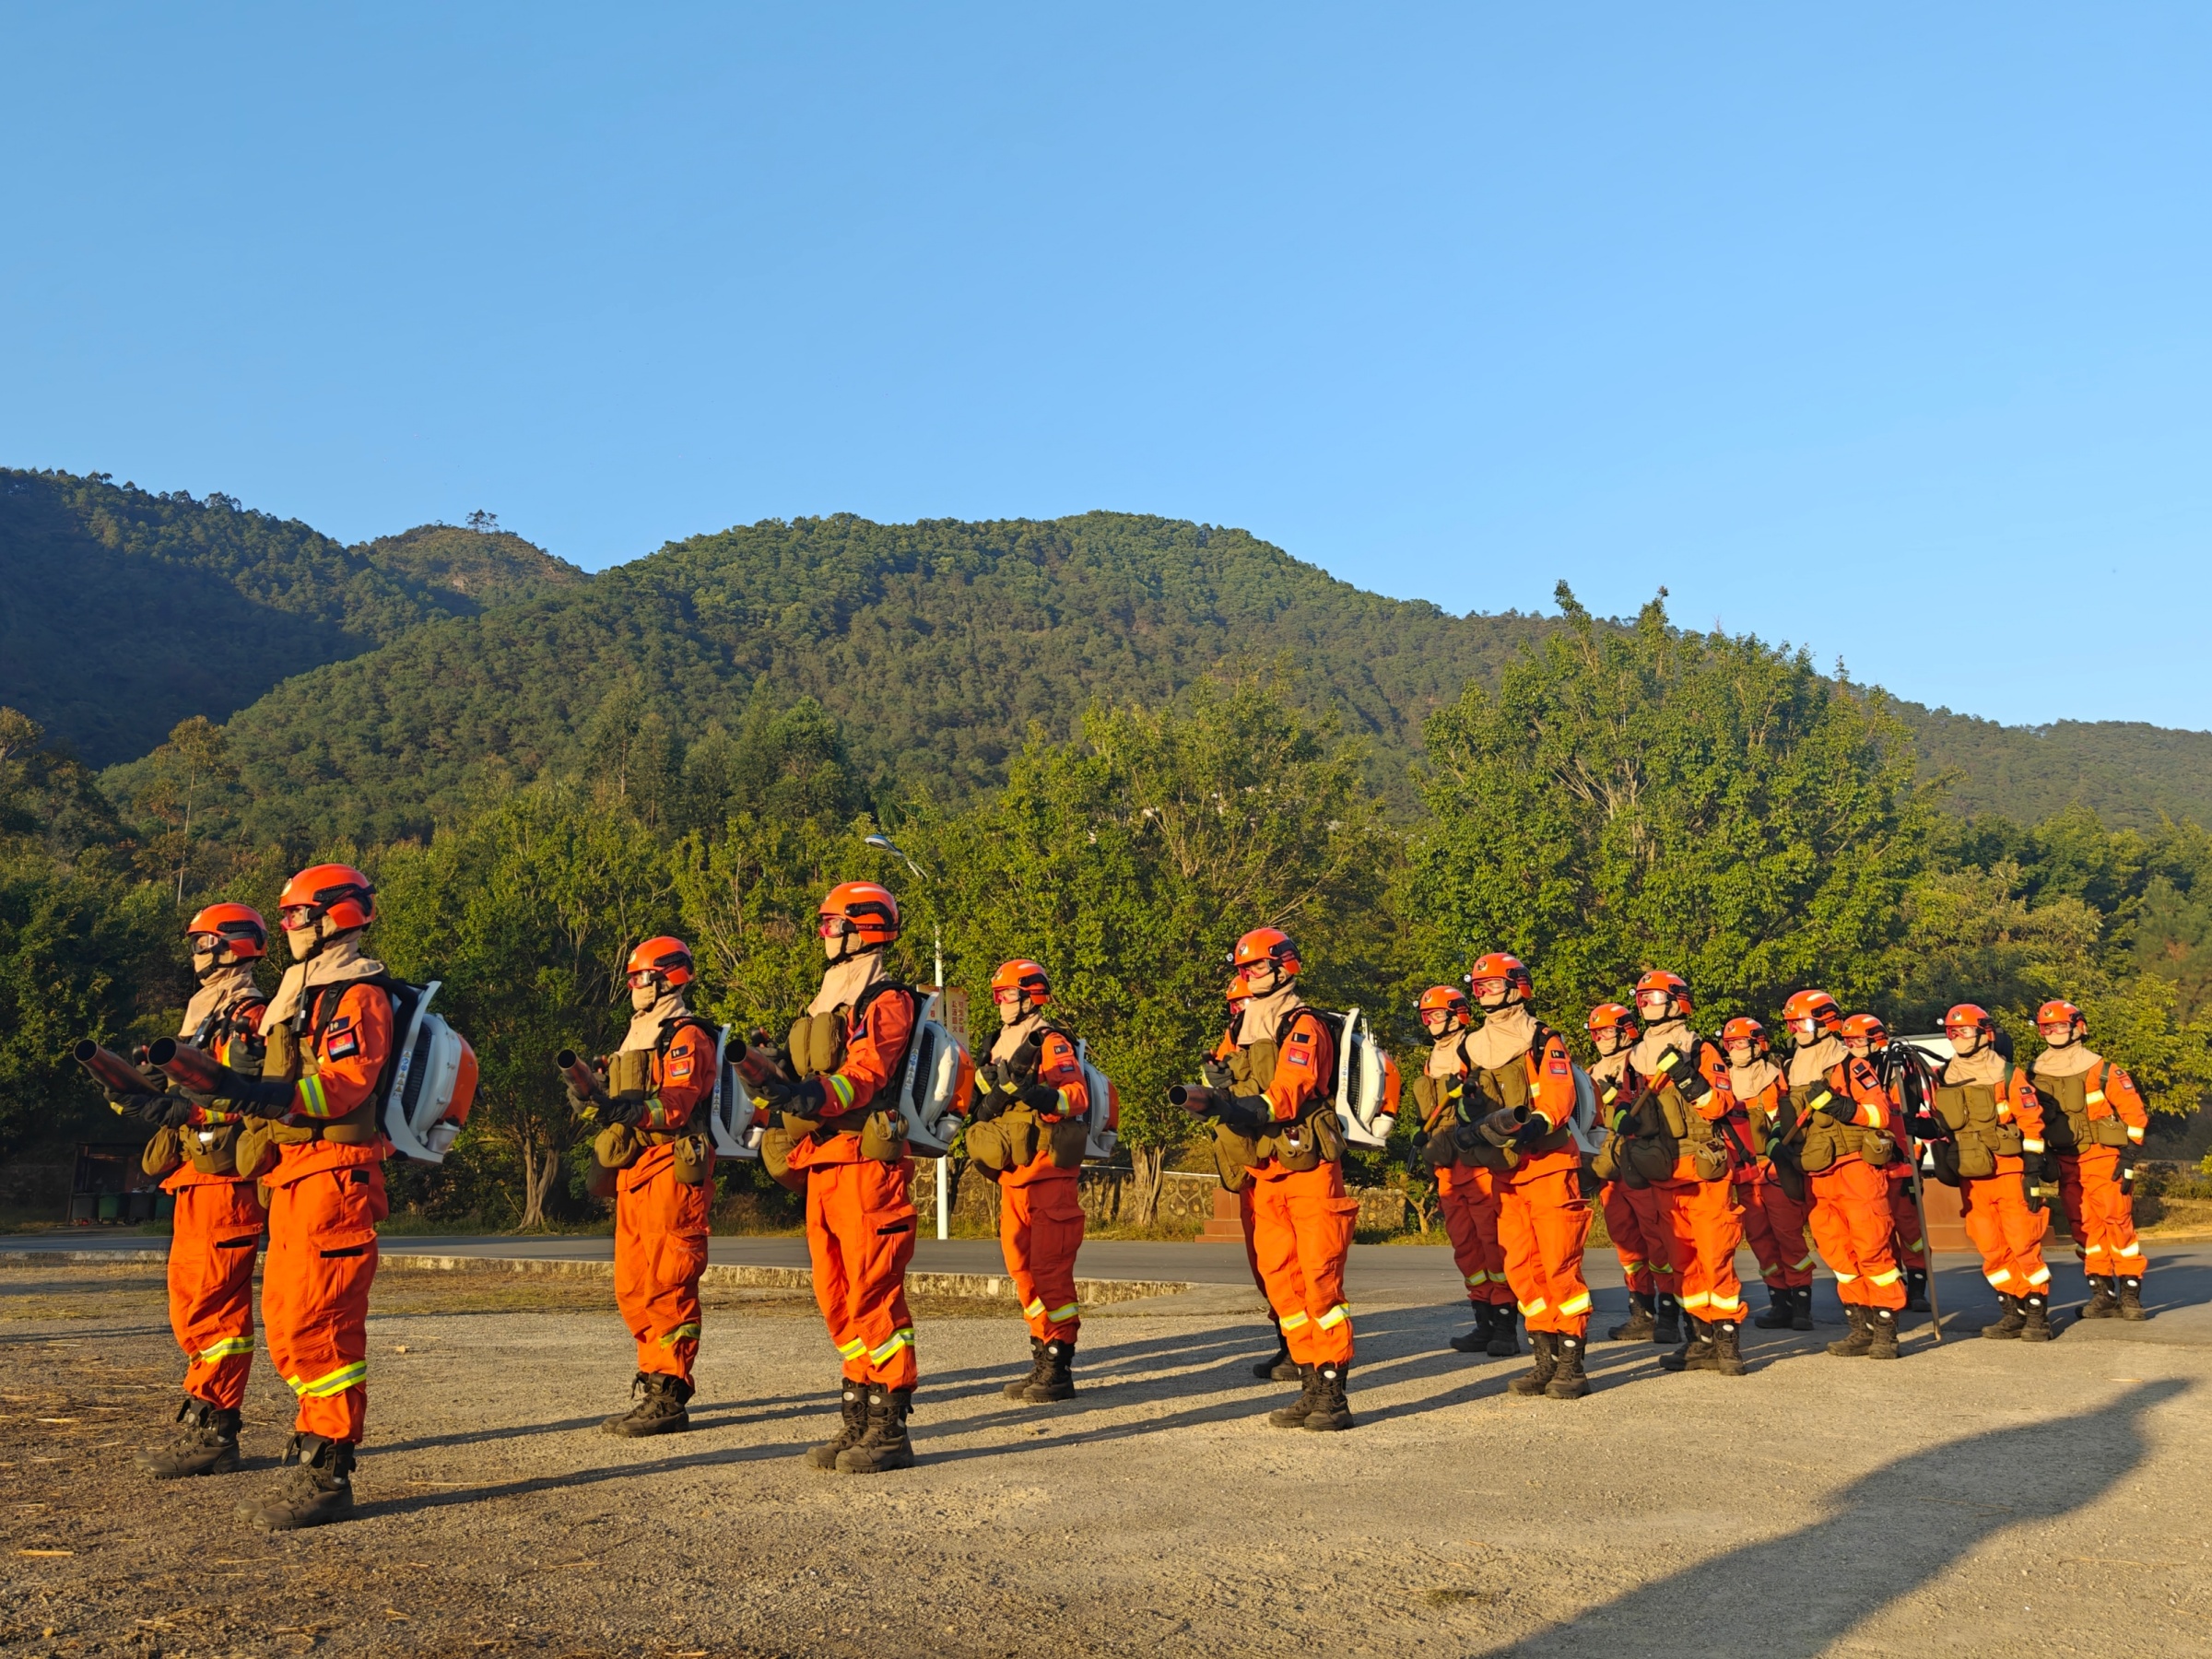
(666, 955)
(2059, 1012)
(864, 909)
(1448, 998)
(1499, 965)
(1025, 976)
(1865, 1027)
(1607, 1017)
(1673, 984)
(336, 890)
(1816, 1005)
(1265, 944)
(1744, 1029)
(1969, 1017)
(235, 927)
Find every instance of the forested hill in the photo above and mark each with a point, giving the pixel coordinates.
(122, 612)
(2127, 772)
(935, 643)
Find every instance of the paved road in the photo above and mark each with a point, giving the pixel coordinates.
(2180, 1275)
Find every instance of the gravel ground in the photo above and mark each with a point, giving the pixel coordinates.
(1982, 1497)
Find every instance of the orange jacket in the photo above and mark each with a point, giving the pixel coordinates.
(874, 1050)
(1305, 1066)
(683, 1080)
(344, 1041)
(1718, 1101)
(2018, 1102)
(2111, 1092)
(232, 1037)
(1552, 1098)
(1058, 1068)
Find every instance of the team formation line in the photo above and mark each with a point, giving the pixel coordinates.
(276, 1115)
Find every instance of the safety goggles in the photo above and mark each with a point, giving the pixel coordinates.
(297, 917)
(1487, 987)
(836, 927)
(204, 944)
(643, 977)
(1956, 1032)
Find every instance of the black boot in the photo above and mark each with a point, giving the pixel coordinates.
(853, 1403)
(1568, 1383)
(1667, 1327)
(1280, 1368)
(1728, 1354)
(883, 1446)
(315, 1492)
(2105, 1301)
(1781, 1309)
(1545, 1347)
(660, 1412)
(1882, 1327)
(1803, 1320)
(1331, 1409)
(2130, 1299)
(1696, 1352)
(1476, 1341)
(1294, 1414)
(1502, 1346)
(1054, 1381)
(1639, 1325)
(2014, 1322)
(1855, 1345)
(2035, 1319)
(1916, 1291)
(1019, 1388)
(209, 1444)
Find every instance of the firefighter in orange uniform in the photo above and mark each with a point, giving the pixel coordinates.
(1996, 1118)
(1301, 1215)
(1866, 1038)
(1520, 1095)
(657, 1085)
(1773, 1221)
(1230, 1072)
(1839, 1138)
(1031, 1085)
(1467, 1176)
(2098, 1124)
(319, 1152)
(218, 1215)
(1687, 1078)
(846, 1053)
(1647, 1263)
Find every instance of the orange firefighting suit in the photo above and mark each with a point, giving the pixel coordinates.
(1039, 1213)
(2097, 1104)
(1467, 1194)
(1850, 1217)
(860, 1211)
(217, 1228)
(1774, 1223)
(1302, 1219)
(1697, 1204)
(661, 1222)
(1543, 1218)
(326, 1198)
(1633, 1223)
(2008, 1234)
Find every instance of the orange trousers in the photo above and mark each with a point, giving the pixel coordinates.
(860, 1233)
(1041, 1228)
(1774, 1226)
(660, 1251)
(1301, 1232)
(314, 1292)
(1639, 1240)
(2008, 1234)
(1543, 1222)
(211, 1250)
(2099, 1214)
(1851, 1225)
(1704, 1227)
(1904, 1224)
(1467, 1195)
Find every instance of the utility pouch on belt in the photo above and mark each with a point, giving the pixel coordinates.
(1789, 1176)
(694, 1160)
(1710, 1159)
(986, 1144)
(776, 1146)
(1234, 1156)
(1328, 1135)
(1818, 1150)
(162, 1153)
(2011, 1143)
(213, 1151)
(1877, 1149)
(1650, 1161)
(883, 1137)
(255, 1150)
(1070, 1137)
(2108, 1132)
(1944, 1155)
(1977, 1157)
(617, 1147)
(1606, 1165)
(1007, 1142)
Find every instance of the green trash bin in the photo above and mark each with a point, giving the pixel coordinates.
(110, 1206)
(165, 1206)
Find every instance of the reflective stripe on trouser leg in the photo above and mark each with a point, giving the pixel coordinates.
(213, 1235)
(860, 1235)
(315, 1299)
(1040, 1230)
(1302, 1233)
(660, 1251)
(1544, 1224)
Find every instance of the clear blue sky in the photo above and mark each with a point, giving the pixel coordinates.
(1884, 329)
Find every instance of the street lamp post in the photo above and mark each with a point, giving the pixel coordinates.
(884, 843)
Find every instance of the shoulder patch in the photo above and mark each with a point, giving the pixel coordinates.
(680, 1067)
(1558, 1066)
(341, 1045)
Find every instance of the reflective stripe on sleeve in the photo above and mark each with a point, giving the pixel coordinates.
(841, 1086)
(310, 1100)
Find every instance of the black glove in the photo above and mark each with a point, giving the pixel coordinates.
(1247, 1115)
(988, 1106)
(1040, 1097)
(624, 1109)
(1504, 1128)
(1216, 1076)
(1682, 1072)
(258, 1097)
(1839, 1107)
(580, 1102)
(155, 1109)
